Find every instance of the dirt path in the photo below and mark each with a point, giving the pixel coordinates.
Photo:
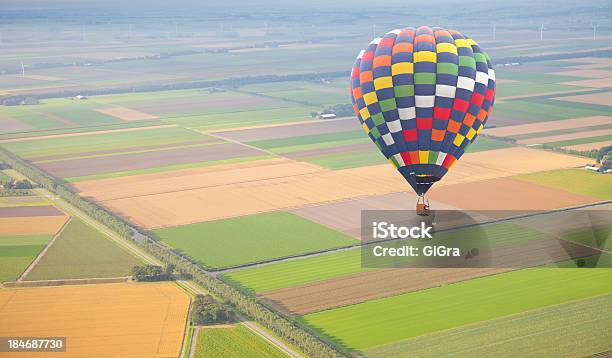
(44, 251)
(194, 341)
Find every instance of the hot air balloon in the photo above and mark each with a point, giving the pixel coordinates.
(422, 96)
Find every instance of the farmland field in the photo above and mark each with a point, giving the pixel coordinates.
(577, 328)
(82, 252)
(145, 320)
(384, 321)
(249, 239)
(285, 274)
(236, 341)
(75, 145)
(575, 181)
(17, 252)
(200, 127)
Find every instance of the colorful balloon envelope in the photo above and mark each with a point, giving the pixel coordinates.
(422, 96)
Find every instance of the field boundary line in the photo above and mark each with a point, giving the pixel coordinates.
(44, 251)
(240, 143)
(67, 282)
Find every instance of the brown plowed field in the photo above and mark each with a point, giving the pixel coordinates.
(345, 216)
(506, 194)
(594, 83)
(20, 211)
(351, 289)
(275, 191)
(39, 225)
(548, 126)
(103, 320)
(201, 105)
(126, 114)
(145, 160)
(10, 124)
(359, 287)
(602, 98)
(586, 73)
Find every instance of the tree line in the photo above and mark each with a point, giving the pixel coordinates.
(285, 327)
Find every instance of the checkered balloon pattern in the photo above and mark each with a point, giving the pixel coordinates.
(422, 96)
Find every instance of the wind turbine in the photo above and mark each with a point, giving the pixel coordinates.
(22, 69)
(541, 32)
(594, 31)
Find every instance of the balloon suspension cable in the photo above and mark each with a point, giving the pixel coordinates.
(423, 200)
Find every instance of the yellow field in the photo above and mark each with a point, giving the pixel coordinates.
(103, 320)
(31, 225)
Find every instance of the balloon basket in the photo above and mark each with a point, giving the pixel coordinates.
(422, 206)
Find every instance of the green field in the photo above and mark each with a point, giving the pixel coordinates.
(253, 238)
(236, 341)
(577, 141)
(82, 252)
(103, 141)
(599, 236)
(321, 94)
(58, 113)
(4, 178)
(525, 88)
(292, 144)
(577, 181)
(17, 252)
(576, 329)
(323, 267)
(392, 319)
(482, 143)
(347, 160)
(295, 272)
(241, 117)
(538, 110)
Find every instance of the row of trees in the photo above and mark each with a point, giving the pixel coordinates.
(230, 82)
(287, 328)
(206, 310)
(23, 184)
(150, 273)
